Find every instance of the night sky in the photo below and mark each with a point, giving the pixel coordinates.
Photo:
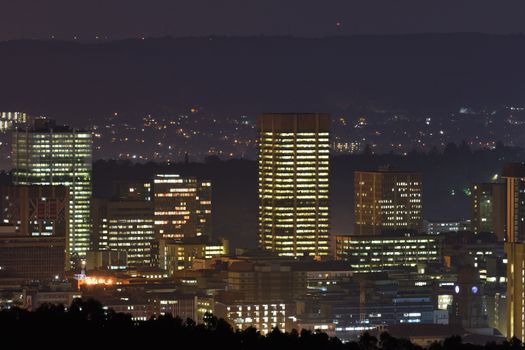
(117, 19)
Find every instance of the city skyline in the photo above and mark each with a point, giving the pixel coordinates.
(158, 229)
(263, 174)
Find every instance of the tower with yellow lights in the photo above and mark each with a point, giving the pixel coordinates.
(514, 175)
(294, 161)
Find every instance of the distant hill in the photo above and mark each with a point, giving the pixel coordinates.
(250, 75)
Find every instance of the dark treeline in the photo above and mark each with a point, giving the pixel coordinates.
(446, 177)
(87, 323)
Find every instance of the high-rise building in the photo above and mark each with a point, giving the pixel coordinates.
(488, 208)
(387, 200)
(33, 231)
(514, 175)
(48, 154)
(125, 225)
(182, 207)
(36, 210)
(294, 211)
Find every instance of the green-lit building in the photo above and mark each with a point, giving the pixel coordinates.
(50, 154)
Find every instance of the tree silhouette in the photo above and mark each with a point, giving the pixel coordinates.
(90, 325)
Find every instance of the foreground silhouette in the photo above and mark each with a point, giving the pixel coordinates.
(87, 323)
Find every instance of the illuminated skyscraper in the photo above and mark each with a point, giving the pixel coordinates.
(514, 175)
(182, 207)
(47, 154)
(387, 200)
(294, 212)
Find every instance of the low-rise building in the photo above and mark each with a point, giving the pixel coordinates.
(387, 251)
(179, 254)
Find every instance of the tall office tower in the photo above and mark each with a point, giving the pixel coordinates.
(514, 175)
(125, 225)
(387, 200)
(294, 211)
(36, 210)
(48, 154)
(182, 207)
(488, 208)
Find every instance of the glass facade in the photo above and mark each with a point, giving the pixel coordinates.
(50, 155)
